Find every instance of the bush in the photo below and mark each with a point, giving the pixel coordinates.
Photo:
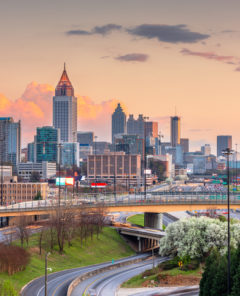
(167, 265)
(13, 258)
(192, 265)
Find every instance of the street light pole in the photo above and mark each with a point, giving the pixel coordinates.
(227, 152)
(95, 166)
(46, 256)
(236, 168)
(145, 158)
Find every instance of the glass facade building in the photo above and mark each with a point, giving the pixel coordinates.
(47, 140)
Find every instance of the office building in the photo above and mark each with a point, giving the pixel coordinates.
(175, 131)
(84, 151)
(151, 129)
(47, 140)
(135, 126)
(10, 140)
(206, 149)
(118, 122)
(70, 154)
(31, 157)
(85, 138)
(114, 164)
(45, 169)
(223, 142)
(184, 142)
(65, 109)
(99, 147)
(16, 192)
(130, 144)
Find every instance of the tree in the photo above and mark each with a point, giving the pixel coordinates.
(210, 270)
(38, 196)
(158, 168)
(236, 283)
(197, 236)
(35, 177)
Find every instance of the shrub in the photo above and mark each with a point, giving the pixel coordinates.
(13, 258)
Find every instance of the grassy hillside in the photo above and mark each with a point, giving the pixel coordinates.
(109, 246)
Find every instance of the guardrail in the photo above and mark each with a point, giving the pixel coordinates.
(128, 200)
(89, 274)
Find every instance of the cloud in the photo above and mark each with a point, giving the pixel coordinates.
(133, 57)
(167, 33)
(78, 32)
(237, 69)
(100, 30)
(34, 108)
(106, 29)
(211, 56)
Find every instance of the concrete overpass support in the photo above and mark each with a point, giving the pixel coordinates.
(153, 220)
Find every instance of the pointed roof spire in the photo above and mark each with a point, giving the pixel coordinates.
(64, 87)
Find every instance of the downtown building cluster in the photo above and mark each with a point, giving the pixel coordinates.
(136, 143)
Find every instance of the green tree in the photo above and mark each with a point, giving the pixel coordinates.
(158, 168)
(219, 286)
(210, 270)
(236, 283)
(35, 177)
(38, 196)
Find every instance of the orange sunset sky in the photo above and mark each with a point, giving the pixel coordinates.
(151, 55)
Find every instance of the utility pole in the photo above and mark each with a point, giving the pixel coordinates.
(2, 141)
(236, 168)
(145, 158)
(95, 166)
(227, 152)
(46, 256)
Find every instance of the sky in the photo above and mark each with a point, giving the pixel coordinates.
(156, 57)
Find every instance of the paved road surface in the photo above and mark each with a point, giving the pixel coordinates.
(106, 284)
(58, 282)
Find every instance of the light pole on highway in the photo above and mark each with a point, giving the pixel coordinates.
(145, 157)
(227, 152)
(46, 256)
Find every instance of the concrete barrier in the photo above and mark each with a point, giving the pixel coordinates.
(89, 274)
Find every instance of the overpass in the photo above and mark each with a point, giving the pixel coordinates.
(154, 203)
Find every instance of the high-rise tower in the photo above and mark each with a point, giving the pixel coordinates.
(175, 131)
(118, 122)
(65, 109)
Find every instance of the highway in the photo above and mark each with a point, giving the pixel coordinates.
(107, 283)
(58, 282)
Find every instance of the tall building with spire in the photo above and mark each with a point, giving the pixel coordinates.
(65, 109)
(118, 122)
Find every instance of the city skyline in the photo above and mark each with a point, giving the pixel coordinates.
(127, 52)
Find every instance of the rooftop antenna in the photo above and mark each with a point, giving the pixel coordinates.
(64, 66)
(175, 110)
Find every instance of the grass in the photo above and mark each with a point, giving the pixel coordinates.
(137, 281)
(137, 219)
(109, 246)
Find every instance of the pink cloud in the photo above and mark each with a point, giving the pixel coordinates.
(34, 109)
(211, 56)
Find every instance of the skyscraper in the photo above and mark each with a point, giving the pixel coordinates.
(151, 129)
(175, 131)
(47, 140)
(118, 122)
(184, 142)
(223, 142)
(65, 109)
(135, 126)
(10, 140)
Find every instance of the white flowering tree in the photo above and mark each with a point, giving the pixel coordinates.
(195, 237)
